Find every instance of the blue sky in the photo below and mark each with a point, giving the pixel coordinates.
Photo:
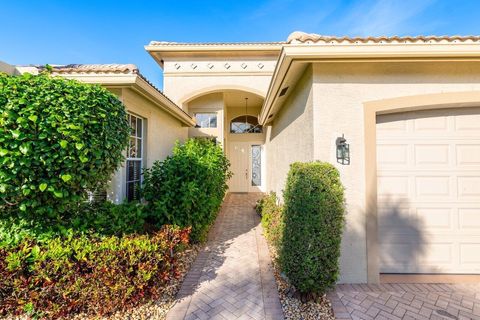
(85, 31)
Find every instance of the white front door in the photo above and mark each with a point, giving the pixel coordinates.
(246, 165)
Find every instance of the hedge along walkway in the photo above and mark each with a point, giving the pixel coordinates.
(232, 277)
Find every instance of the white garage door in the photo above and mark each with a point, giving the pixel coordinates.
(429, 191)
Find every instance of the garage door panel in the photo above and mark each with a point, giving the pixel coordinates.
(392, 154)
(432, 187)
(468, 187)
(430, 124)
(468, 155)
(467, 123)
(393, 185)
(431, 154)
(470, 254)
(428, 184)
(469, 218)
(436, 218)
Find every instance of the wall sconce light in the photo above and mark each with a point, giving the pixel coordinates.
(343, 150)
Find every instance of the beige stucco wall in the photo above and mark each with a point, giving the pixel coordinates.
(213, 103)
(290, 137)
(339, 93)
(161, 131)
(183, 88)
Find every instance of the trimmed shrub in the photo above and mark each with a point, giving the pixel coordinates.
(314, 219)
(58, 139)
(188, 187)
(272, 218)
(97, 276)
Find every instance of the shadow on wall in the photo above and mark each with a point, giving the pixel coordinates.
(401, 237)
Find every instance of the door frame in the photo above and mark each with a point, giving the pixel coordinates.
(251, 143)
(394, 105)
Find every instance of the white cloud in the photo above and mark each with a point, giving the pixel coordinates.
(385, 17)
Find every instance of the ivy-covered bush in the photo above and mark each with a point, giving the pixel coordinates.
(272, 218)
(97, 276)
(188, 187)
(314, 219)
(58, 139)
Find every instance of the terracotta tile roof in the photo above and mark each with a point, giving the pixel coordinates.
(206, 44)
(298, 37)
(94, 68)
(74, 69)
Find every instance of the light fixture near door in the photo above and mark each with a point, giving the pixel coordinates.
(342, 150)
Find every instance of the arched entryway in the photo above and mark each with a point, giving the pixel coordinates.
(230, 117)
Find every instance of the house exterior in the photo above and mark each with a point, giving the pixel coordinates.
(408, 108)
(398, 116)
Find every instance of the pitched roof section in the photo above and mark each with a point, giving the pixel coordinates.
(299, 37)
(212, 44)
(95, 68)
(123, 69)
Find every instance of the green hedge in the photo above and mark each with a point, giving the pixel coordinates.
(272, 218)
(58, 139)
(188, 187)
(85, 274)
(314, 219)
(97, 219)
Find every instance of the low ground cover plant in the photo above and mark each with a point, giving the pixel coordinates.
(313, 224)
(87, 274)
(188, 187)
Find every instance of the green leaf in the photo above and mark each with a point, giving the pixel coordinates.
(42, 187)
(24, 148)
(66, 177)
(58, 194)
(63, 144)
(79, 145)
(3, 152)
(23, 207)
(83, 159)
(33, 118)
(16, 133)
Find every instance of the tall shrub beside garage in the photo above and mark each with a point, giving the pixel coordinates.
(314, 219)
(58, 139)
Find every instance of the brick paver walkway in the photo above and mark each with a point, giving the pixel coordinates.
(407, 301)
(232, 276)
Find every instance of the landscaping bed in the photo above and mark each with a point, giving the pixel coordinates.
(293, 308)
(63, 252)
(304, 235)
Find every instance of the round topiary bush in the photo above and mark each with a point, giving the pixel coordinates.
(58, 139)
(313, 225)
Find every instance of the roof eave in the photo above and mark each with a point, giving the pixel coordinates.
(163, 102)
(308, 53)
(140, 85)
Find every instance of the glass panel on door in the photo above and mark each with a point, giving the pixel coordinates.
(256, 165)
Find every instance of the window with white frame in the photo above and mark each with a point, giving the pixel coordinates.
(134, 162)
(206, 119)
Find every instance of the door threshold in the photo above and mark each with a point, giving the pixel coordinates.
(429, 278)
